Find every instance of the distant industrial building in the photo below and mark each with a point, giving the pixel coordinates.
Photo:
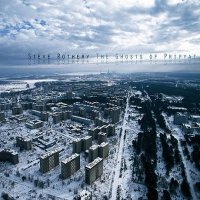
(70, 166)
(23, 143)
(93, 170)
(49, 161)
(9, 155)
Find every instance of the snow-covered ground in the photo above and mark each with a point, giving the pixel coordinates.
(116, 179)
(28, 165)
(190, 170)
(20, 85)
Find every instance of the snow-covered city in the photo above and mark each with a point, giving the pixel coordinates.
(100, 136)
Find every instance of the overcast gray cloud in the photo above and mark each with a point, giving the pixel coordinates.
(98, 26)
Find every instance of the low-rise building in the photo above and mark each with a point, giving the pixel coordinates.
(34, 124)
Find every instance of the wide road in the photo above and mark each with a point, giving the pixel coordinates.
(119, 154)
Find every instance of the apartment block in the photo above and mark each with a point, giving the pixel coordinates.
(9, 155)
(24, 143)
(49, 161)
(102, 137)
(86, 143)
(70, 166)
(93, 170)
(103, 150)
(17, 110)
(77, 146)
(93, 152)
(2, 116)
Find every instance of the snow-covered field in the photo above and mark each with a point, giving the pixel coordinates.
(20, 85)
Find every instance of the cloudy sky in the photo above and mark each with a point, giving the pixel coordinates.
(76, 26)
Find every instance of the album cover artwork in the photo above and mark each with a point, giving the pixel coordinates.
(100, 100)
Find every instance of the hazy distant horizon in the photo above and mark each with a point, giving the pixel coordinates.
(45, 70)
